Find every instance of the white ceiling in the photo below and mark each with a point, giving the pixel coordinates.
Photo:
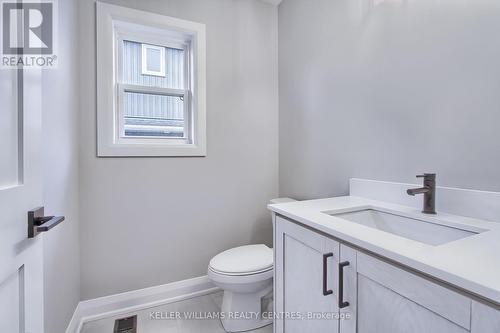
(272, 2)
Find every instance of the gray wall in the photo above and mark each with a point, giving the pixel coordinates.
(150, 221)
(387, 91)
(60, 175)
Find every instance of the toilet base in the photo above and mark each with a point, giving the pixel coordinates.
(243, 311)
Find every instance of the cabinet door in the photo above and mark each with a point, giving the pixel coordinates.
(390, 299)
(306, 278)
(485, 319)
(348, 258)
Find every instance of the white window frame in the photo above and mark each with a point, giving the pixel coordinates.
(144, 59)
(115, 24)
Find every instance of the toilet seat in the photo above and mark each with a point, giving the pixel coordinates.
(240, 279)
(240, 274)
(243, 260)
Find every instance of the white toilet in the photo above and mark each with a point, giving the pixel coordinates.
(245, 274)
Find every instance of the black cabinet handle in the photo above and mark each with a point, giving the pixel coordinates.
(326, 292)
(342, 304)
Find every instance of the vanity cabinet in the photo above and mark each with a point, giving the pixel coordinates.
(315, 274)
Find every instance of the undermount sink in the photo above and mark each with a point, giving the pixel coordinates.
(412, 228)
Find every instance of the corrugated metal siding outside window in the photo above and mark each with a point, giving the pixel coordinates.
(153, 106)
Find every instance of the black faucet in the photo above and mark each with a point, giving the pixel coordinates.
(429, 191)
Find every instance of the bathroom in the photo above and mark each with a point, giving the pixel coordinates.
(178, 135)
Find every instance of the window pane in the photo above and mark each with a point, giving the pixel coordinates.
(153, 60)
(153, 115)
(132, 67)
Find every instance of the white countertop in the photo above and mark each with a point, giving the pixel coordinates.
(471, 263)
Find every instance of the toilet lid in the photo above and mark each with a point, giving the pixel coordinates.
(243, 259)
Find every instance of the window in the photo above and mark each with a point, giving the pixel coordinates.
(153, 60)
(151, 84)
(152, 100)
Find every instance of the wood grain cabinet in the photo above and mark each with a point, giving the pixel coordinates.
(306, 267)
(390, 299)
(323, 285)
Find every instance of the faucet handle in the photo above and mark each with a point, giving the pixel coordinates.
(427, 176)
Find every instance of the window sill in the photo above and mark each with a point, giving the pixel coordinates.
(148, 150)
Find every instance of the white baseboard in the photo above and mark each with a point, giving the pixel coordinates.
(135, 300)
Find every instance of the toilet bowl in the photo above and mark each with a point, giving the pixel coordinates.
(245, 274)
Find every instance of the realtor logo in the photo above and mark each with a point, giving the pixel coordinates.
(28, 34)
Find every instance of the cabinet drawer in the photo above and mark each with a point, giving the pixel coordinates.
(440, 300)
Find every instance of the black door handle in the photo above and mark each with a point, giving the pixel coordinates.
(342, 304)
(326, 292)
(38, 223)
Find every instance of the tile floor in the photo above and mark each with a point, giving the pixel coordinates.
(202, 304)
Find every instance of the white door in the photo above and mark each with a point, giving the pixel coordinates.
(21, 265)
(307, 280)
